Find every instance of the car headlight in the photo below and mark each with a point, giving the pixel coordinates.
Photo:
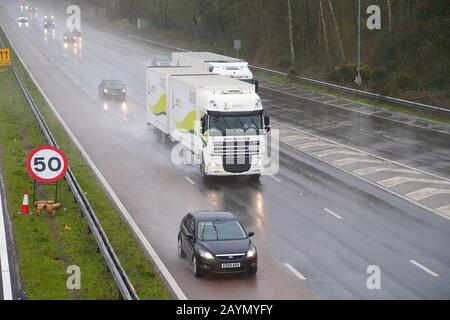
(251, 252)
(205, 254)
(105, 90)
(124, 90)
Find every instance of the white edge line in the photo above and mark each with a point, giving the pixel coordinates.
(190, 180)
(333, 214)
(298, 274)
(275, 178)
(146, 244)
(367, 180)
(421, 266)
(4, 261)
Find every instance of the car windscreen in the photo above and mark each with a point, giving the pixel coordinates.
(235, 125)
(113, 83)
(220, 230)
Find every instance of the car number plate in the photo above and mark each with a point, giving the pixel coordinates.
(230, 265)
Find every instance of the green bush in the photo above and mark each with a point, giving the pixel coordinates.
(377, 78)
(403, 81)
(284, 62)
(438, 78)
(345, 74)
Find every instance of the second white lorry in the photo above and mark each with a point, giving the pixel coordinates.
(216, 63)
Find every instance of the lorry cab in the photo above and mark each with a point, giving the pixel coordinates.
(230, 137)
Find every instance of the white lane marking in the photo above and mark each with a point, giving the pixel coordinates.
(326, 153)
(364, 152)
(275, 178)
(4, 261)
(394, 181)
(370, 170)
(298, 274)
(313, 145)
(358, 111)
(346, 161)
(148, 247)
(421, 266)
(444, 209)
(426, 192)
(189, 180)
(297, 137)
(333, 214)
(432, 210)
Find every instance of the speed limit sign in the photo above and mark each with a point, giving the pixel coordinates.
(47, 164)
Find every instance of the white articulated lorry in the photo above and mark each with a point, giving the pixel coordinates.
(216, 63)
(218, 119)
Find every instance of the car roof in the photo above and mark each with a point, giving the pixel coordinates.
(205, 215)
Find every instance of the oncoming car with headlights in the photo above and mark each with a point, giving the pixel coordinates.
(216, 242)
(112, 89)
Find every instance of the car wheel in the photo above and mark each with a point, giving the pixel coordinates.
(252, 271)
(195, 268)
(255, 177)
(180, 248)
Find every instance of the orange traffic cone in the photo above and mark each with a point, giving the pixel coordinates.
(25, 204)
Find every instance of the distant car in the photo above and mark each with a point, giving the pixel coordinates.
(69, 38)
(161, 60)
(49, 24)
(23, 20)
(216, 242)
(77, 34)
(33, 12)
(23, 5)
(112, 89)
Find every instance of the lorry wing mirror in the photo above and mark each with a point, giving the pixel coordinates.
(267, 123)
(256, 82)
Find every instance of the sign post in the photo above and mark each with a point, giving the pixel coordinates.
(47, 165)
(5, 57)
(237, 47)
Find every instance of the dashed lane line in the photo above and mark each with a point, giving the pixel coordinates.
(421, 266)
(298, 274)
(333, 213)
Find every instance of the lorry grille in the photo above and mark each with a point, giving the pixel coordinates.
(236, 154)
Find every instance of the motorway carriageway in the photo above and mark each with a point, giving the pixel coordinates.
(317, 229)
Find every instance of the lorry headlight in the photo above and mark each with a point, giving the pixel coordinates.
(251, 252)
(205, 254)
(258, 103)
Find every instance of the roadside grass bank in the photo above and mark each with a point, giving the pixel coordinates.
(373, 102)
(45, 249)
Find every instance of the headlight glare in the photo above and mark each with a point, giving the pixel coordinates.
(205, 254)
(251, 252)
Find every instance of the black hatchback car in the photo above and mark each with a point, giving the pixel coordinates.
(216, 242)
(112, 89)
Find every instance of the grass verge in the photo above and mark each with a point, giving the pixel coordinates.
(373, 102)
(45, 250)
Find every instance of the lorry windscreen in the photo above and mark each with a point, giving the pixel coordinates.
(235, 125)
